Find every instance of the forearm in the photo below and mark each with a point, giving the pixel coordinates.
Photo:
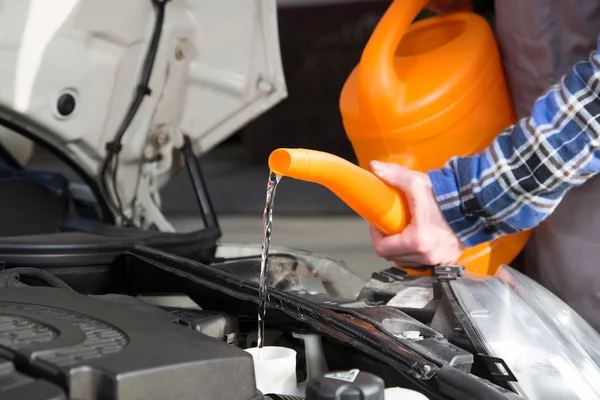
(521, 177)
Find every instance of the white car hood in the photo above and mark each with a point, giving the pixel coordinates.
(217, 67)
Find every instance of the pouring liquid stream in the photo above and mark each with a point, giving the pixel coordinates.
(264, 265)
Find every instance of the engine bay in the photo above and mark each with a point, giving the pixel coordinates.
(158, 326)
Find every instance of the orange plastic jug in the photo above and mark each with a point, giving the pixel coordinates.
(422, 93)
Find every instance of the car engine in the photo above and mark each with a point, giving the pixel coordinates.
(115, 347)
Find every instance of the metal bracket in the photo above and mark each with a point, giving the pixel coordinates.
(389, 275)
(498, 368)
(448, 272)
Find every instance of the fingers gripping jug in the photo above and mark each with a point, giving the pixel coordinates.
(421, 93)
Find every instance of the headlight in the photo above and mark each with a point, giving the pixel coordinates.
(551, 350)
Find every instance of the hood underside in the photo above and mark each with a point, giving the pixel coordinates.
(141, 74)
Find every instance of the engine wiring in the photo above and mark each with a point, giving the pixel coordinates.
(113, 148)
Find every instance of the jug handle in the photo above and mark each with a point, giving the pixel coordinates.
(377, 78)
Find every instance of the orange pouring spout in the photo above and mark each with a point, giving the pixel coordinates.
(371, 198)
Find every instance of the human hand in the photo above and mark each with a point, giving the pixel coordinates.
(428, 239)
(447, 6)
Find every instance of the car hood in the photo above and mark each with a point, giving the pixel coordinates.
(74, 68)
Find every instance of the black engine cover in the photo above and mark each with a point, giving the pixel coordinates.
(57, 344)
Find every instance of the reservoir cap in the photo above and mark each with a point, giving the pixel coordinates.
(346, 385)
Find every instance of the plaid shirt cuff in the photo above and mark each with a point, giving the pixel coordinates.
(471, 230)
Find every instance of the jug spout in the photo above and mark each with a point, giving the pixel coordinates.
(365, 193)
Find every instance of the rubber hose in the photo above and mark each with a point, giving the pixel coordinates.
(40, 275)
(282, 397)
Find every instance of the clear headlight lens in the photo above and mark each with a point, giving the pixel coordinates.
(551, 350)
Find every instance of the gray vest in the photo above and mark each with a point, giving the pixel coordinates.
(540, 41)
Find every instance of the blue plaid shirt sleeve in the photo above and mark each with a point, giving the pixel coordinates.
(518, 181)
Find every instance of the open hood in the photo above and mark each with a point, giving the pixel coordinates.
(142, 75)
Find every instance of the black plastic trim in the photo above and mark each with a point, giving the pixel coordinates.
(358, 333)
(82, 248)
(460, 386)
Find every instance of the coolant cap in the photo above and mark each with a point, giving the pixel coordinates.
(346, 385)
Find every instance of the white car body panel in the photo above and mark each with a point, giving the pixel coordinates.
(218, 66)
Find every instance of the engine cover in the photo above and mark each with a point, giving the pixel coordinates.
(56, 344)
